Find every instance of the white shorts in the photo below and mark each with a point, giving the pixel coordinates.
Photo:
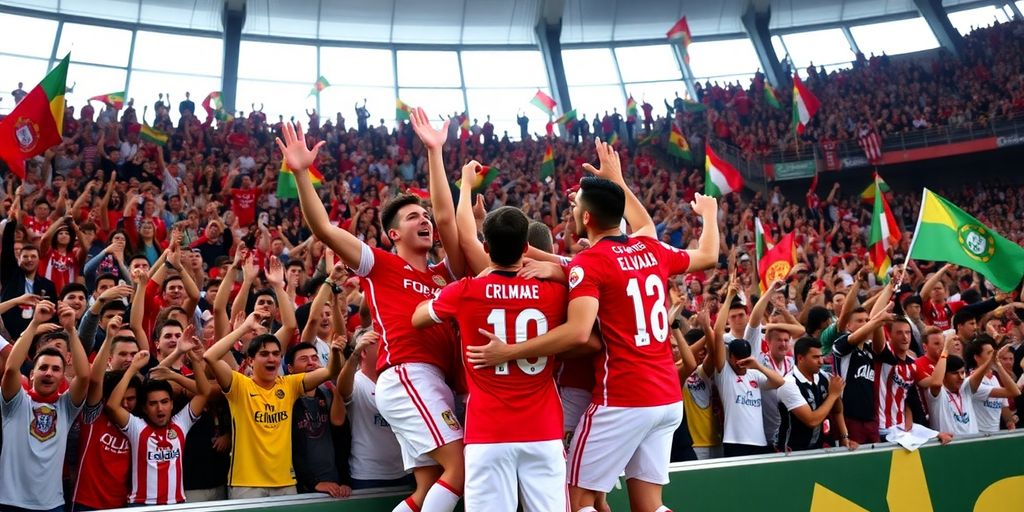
(574, 404)
(420, 407)
(610, 441)
(494, 469)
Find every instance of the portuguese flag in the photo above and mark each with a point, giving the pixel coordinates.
(544, 102)
(114, 99)
(35, 124)
(885, 233)
(762, 244)
(402, 110)
(153, 135)
(547, 166)
(677, 145)
(484, 176)
(286, 186)
(777, 261)
(946, 233)
(631, 110)
(720, 178)
(771, 97)
(805, 104)
(320, 85)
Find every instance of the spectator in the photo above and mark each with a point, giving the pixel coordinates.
(806, 399)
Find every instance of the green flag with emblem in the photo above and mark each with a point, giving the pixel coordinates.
(946, 233)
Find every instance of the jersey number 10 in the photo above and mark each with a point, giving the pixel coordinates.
(654, 286)
(497, 320)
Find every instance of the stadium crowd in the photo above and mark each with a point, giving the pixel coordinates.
(152, 294)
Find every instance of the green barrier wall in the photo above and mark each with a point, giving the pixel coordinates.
(984, 474)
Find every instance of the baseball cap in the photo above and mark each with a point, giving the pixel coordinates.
(739, 348)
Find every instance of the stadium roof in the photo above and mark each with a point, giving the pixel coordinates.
(470, 22)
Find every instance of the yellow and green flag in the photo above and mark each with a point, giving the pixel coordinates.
(114, 99)
(631, 110)
(771, 97)
(946, 233)
(37, 122)
(547, 166)
(320, 85)
(153, 135)
(286, 186)
(484, 176)
(677, 145)
(402, 110)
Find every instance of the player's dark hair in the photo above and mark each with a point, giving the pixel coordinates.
(737, 303)
(113, 377)
(804, 345)
(29, 247)
(153, 386)
(264, 292)
(901, 320)
(540, 236)
(170, 279)
(289, 357)
(603, 200)
(213, 282)
(505, 232)
(136, 256)
(858, 309)
(48, 351)
(390, 210)
(259, 342)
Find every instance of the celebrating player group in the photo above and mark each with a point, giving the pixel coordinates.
(529, 325)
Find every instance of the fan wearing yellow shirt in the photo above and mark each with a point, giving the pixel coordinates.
(261, 450)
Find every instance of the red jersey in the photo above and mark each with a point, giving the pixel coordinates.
(627, 275)
(243, 204)
(156, 459)
(59, 268)
(939, 315)
(504, 398)
(895, 378)
(36, 228)
(104, 463)
(394, 289)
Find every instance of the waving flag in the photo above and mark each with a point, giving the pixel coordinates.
(680, 32)
(805, 104)
(320, 85)
(631, 110)
(885, 233)
(677, 145)
(568, 119)
(720, 178)
(777, 262)
(544, 102)
(547, 166)
(286, 186)
(153, 135)
(402, 110)
(114, 99)
(37, 122)
(771, 97)
(484, 176)
(868, 195)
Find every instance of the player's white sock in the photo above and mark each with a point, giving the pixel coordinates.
(440, 498)
(407, 505)
(663, 508)
(587, 509)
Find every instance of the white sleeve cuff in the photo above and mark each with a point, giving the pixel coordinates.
(365, 261)
(433, 315)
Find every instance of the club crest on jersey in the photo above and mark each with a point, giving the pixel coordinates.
(172, 435)
(450, 419)
(753, 384)
(44, 423)
(438, 280)
(575, 277)
(279, 394)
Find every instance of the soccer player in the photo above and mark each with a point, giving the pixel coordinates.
(620, 282)
(411, 391)
(36, 422)
(504, 463)
(158, 440)
(261, 406)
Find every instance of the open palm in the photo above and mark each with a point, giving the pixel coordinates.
(296, 154)
(431, 138)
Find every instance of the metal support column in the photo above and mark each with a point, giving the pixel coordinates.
(234, 20)
(755, 20)
(935, 15)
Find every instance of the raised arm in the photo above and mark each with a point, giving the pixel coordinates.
(346, 377)
(218, 350)
(723, 316)
(10, 383)
(138, 310)
(473, 251)
(934, 280)
(250, 271)
(315, 310)
(115, 411)
(310, 380)
(851, 302)
(611, 168)
(203, 387)
(757, 312)
(1008, 388)
(440, 192)
(275, 278)
(299, 157)
(705, 256)
(99, 365)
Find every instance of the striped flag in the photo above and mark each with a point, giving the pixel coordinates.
(680, 32)
(153, 135)
(720, 178)
(805, 104)
(762, 244)
(871, 143)
(544, 102)
(677, 145)
(547, 165)
(613, 137)
(464, 127)
(37, 122)
(885, 233)
(320, 85)
(868, 195)
(402, 110)
(114, 99)
(484, 176)
(286, 186)
(631, 110)
(771, 97)
(567, 119)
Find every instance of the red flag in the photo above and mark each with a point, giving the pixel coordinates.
(871, 143)
(778, 261)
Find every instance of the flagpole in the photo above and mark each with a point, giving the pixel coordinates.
(917, 227)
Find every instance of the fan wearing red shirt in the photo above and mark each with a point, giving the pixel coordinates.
(620, 283)
(243, 201)
(158, 439)
(412, 395)
(504, 462)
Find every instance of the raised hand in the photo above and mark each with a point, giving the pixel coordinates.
(608, 158)
(479, 212)
(66, 316)
(469, 176)
(249, 268)
(704, 205)
(140, 360)
(431, 138)
(275, 272)
(836, 384)
(296, 154)
(368, 338)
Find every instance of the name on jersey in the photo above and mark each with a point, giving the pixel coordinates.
(114, 444)
(513, 291)
(420, 288)
(748, 400)
(269, 415)
(898, 381)
(163, 455)
(963, 419)
(636, 261)
(379, 421)
(993, 404)
(865, 372)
